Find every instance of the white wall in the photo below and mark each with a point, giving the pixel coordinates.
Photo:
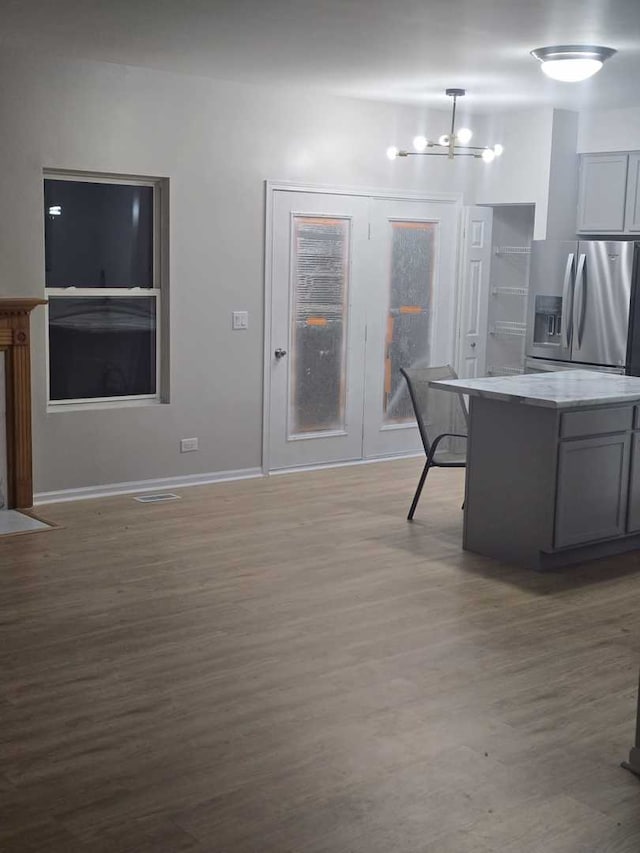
(609, 130)
(521, 175)
(217, 143)
(563, 177)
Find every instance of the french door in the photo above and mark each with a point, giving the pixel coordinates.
(360, 287)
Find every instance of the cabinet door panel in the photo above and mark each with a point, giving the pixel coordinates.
(592, 489)
(632, 219)
(602, 193)
(633, 516)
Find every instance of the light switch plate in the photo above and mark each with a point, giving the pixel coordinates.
(240, 320)
(188, 444)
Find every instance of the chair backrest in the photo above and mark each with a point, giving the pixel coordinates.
(436, 411)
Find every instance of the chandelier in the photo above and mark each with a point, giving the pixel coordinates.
(452, 144)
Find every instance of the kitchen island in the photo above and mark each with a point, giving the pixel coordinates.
(553, 466)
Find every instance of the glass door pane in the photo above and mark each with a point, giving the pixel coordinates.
(410, 298)
(317, 369)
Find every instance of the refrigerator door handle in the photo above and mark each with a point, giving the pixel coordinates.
(581, 284)
(567, 326)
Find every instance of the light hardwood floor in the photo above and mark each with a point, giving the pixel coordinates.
(288, 665)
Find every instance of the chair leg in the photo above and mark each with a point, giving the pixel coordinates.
(416, 497)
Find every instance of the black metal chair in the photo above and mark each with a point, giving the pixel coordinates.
(439, 413)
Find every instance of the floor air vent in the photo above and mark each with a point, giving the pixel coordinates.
(157, 498)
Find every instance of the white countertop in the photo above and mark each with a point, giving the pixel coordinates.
(565, 389)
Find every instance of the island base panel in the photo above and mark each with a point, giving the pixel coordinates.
(510, 480)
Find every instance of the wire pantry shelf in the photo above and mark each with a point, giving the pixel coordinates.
(513, 250)
(509, 328)
(510, 291)
(505, 371)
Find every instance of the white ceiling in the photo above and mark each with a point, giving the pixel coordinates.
(396, 50)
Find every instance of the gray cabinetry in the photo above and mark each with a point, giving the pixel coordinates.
(632, 218)
(593, 475)
(602, 193)
(596, 421)
(547, 488)
(633, 516)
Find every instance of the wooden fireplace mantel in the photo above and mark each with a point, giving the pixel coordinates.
(15, 342)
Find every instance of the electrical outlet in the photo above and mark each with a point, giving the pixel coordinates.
(240, 320)
(188, 444)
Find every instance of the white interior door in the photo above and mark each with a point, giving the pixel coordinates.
(316, 360)
(411, 305)
(474, 296)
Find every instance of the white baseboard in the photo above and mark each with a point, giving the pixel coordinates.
(137, 486)
(110, 489)
(320, 466)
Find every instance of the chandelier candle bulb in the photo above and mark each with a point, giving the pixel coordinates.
(452, 144)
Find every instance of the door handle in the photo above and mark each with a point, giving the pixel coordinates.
(473, 344)
(581, 282)
(567, 326)
(280, 353)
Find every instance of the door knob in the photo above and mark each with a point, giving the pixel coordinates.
(279, 353)
(472, 344)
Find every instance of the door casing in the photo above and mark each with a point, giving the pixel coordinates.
(272, 187)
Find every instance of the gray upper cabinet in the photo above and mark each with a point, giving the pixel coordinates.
(632, 219)
(602, 193)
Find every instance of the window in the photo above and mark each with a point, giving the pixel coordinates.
(103, 280)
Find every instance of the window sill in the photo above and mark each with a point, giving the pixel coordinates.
(98, 405)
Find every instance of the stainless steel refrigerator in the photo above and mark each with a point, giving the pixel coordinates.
(583, 309)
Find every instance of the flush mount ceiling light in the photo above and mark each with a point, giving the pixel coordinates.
(453, 144)
(572, 63)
